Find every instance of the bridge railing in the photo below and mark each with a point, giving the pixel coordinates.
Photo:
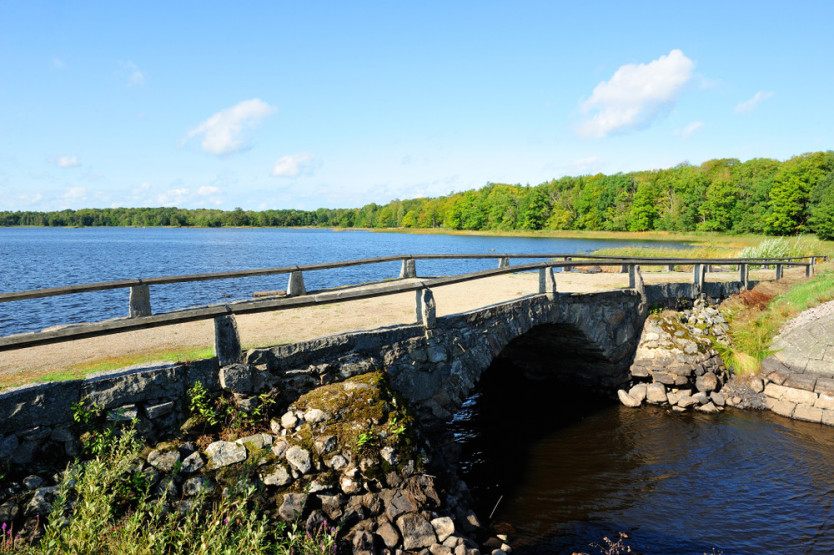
(141, 317)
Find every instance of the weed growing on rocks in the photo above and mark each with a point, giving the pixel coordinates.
(102, 506)
(222, 414)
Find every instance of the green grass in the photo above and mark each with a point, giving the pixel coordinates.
(78, 371)
(103, 506)
(753, 329)
(114, 363)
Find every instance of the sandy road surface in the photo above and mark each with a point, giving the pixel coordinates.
(257, 330)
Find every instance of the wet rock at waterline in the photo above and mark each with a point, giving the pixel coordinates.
(676, 364)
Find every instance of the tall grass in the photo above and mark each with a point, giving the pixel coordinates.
(101, 507)
(668, 252)
(754, 327)
(781, 247)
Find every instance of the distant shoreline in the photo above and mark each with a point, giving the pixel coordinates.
(654, 236)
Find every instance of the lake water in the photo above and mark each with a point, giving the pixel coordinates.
(573, 469)
(33, 258)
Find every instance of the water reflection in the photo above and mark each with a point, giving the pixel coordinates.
(574, 469)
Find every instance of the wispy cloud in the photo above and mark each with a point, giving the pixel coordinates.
(583, 165)
(206, 190)
(173, 197)
(67, 162)
(30, 199)
(688, 130)
(75, 193)
(58, 63)
(749, 106)
(635, 95)
(131, 73)
(292, 165)
(223, 133)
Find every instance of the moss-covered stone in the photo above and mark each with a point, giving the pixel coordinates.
(365, 415)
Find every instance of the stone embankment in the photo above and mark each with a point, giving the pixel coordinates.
(676, 363)
(348, 453)
(798, 379)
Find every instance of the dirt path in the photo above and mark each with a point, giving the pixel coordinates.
(258, 330)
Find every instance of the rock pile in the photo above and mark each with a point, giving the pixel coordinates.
(348, 453)
(676, 364)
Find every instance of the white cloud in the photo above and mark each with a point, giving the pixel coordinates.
(173, 197)
(67, 162)
(58, 63)
(688, 130)
(222, 132)
(635, 95)
(143, 188)
(749, 106)
(131, 73)
(205, 191)
(75, 193)
(292, 165)
(585, 164)
(34, 198)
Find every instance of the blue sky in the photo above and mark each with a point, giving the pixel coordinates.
(337, 104)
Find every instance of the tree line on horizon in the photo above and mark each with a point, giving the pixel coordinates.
(761, 195)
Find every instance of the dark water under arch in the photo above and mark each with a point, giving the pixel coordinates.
(574, 468)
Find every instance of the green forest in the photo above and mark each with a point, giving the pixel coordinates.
(761, 195)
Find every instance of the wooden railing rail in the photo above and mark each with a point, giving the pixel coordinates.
(119, 284)
(424, 313)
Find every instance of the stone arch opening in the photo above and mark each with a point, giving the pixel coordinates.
(562, 352)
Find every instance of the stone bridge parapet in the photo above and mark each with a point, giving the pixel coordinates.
(588, 339)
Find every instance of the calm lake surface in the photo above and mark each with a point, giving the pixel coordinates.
(34, 258)
(574, 469)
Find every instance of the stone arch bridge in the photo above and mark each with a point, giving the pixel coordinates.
(587, 339)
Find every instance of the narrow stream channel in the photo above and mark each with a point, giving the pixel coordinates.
(573, 468)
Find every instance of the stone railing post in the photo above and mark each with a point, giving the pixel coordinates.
(426, 308)
(567, 268)
(809, 269)
(670, 267)
(504, 262)
(140, 301)
(226, 340)
(640, 287)
(408, 269)
(625, 268)
(295, 286)
(778, 271)
(633, 270)
(547, 283)
(743, 275)
(698, 276)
